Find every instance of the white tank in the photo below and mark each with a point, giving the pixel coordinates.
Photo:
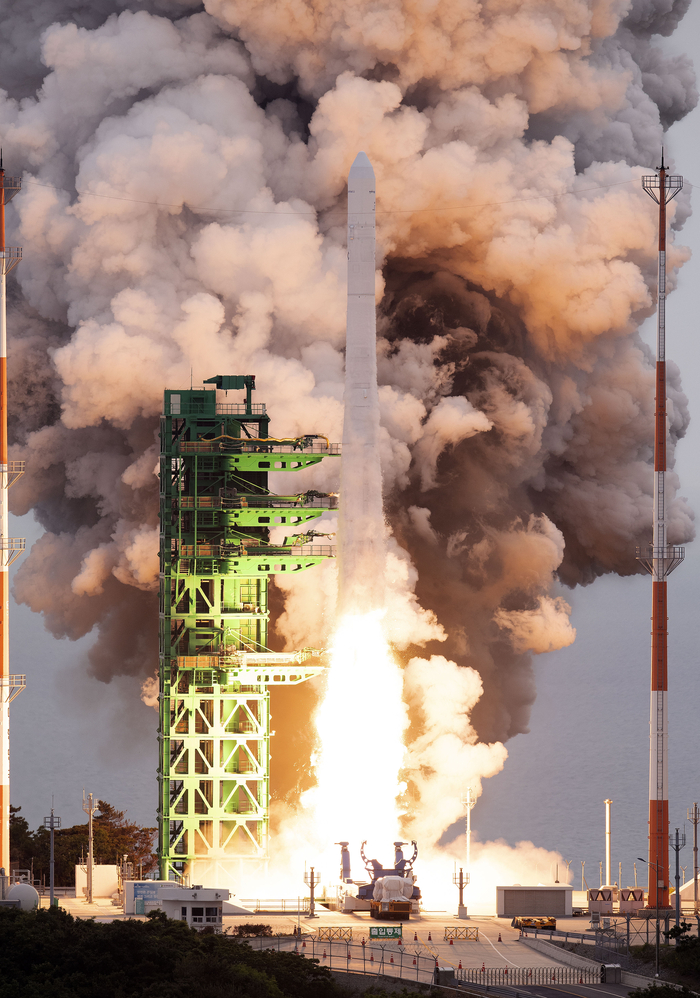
(26, 895)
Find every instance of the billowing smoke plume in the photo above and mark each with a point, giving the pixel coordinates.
(183, 215)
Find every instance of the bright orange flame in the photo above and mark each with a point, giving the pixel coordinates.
(361, 724)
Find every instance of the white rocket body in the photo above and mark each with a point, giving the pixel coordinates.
(361, 530)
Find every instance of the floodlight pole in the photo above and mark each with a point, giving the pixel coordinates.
(677, 845)
(311, 879)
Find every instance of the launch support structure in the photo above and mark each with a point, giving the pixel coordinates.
(216, 513)
(10, 547)
(660, 560)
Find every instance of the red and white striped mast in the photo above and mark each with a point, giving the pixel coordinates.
(10, 548)
(660, 560)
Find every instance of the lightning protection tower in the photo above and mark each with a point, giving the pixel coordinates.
(216, 512)
(660, 560)
(10, 547)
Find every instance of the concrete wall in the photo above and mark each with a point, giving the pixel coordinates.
(552, 899)
(105, 881)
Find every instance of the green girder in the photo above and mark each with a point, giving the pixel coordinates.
(215, 669)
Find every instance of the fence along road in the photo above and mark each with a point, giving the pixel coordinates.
(523, 976)
(411, 961)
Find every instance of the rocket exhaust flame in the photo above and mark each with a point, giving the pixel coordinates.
(361, 724)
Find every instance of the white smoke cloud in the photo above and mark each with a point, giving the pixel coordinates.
(446, 757)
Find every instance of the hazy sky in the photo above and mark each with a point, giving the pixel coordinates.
(589, 728)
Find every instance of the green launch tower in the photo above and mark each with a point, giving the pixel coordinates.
(216, 513)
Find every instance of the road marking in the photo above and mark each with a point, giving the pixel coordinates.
(498, 951)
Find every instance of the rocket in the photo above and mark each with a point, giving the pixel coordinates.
(361, 554)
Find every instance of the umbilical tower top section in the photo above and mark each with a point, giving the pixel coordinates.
(216, 513)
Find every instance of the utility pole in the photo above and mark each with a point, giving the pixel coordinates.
(677, 846)
(583, 879)
(694, 817)
(608, 843)
(89, 807)
(660, 560)
(52, 822)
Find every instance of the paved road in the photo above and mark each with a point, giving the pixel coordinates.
(584, 991)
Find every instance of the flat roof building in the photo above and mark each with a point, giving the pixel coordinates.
(544, 899)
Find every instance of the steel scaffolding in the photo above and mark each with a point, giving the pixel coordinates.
(216, 670)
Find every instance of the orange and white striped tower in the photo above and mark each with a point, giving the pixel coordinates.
(10, 548)
(660, 560)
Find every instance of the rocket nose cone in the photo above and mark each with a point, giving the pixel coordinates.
(361, 167)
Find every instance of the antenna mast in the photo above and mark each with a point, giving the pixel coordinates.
(660, 560)
(10, 548)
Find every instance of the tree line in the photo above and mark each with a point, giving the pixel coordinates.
(48, 952)
(113, 837)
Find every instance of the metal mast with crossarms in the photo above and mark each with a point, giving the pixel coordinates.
(660, 560)
(10, 547)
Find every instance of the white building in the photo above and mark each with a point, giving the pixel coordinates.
(200, 907)
(547, 899)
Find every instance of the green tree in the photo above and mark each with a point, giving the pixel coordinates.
(21, 841)
(113, 837)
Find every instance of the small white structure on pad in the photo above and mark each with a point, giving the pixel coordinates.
(631, 899)
(200, 907)
(600, 900)
(544, 899)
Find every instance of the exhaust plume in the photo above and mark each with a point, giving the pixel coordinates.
(183, 212)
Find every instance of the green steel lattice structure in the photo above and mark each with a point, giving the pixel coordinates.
(215, 667)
